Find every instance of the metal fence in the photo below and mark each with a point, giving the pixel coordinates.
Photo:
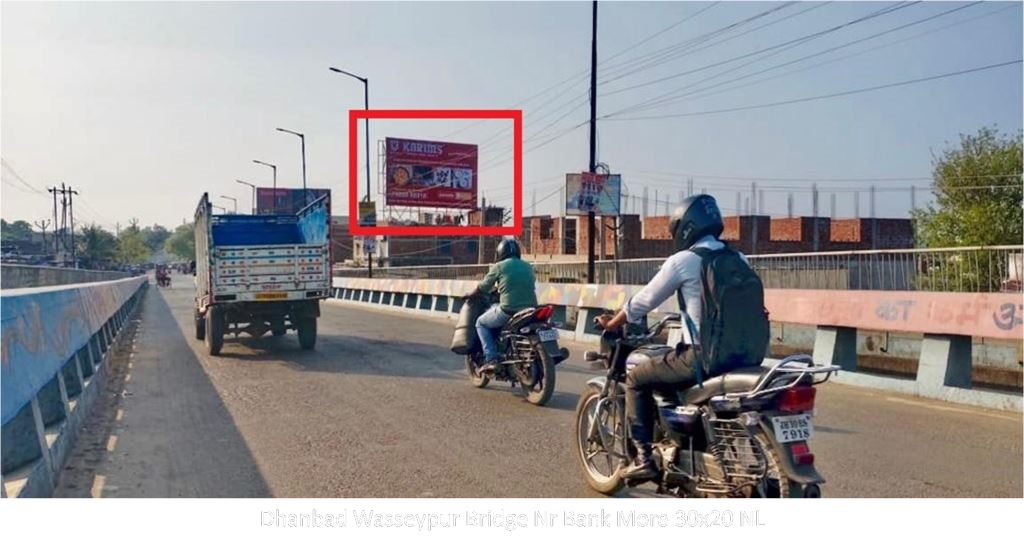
(978, 269)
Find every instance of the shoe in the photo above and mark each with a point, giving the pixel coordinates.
(642, 468)
(489, 365)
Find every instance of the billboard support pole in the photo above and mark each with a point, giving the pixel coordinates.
(593, 139)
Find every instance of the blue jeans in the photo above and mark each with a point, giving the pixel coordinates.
(487, 327)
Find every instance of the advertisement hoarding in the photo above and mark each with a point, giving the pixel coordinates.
(286, 200)
(423, 173)
(367, 213)
(585, 192)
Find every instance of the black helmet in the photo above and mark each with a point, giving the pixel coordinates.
(508, 247)
(696, 217)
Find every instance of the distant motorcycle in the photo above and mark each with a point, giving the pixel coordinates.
(529, 347)
(741, 434)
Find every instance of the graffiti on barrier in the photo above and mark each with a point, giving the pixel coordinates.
(1008, 316)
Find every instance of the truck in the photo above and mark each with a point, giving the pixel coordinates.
(261, 273)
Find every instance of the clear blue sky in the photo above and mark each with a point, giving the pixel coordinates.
(142, 107)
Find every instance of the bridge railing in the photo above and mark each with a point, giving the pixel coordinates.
(947, 325)
(975, 270)
(13, 276)
(55, 341)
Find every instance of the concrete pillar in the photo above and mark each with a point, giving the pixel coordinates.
(20, 440)
(72, 373)
(945, 361)
(836, 345)
(52, 401)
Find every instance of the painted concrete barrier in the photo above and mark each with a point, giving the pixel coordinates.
(948, 322)
(21, 276)
(54, 344)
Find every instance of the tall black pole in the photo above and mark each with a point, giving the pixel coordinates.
(591, 231)
(366, 128)
(305, 198)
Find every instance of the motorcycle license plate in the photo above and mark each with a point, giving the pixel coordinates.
(792, 428)
(547, 335)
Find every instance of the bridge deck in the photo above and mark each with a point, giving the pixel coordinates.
(382, 408)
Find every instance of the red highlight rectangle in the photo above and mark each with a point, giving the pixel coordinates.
(516, 116)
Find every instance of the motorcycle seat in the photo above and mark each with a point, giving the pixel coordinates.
(737, 380)
(518, 319)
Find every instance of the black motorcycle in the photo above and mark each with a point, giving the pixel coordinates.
(741, 434)
(530, 351)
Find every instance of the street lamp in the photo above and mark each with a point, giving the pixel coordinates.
(366, 99)
(233, 200)
(273, 167)
(253, 187)
(219, 207)
(302, 137)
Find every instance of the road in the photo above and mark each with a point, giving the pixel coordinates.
(382, 408)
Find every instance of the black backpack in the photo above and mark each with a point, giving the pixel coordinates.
(734, 329)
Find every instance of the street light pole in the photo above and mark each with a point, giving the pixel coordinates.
(253, 187)
(273, 167)
(233, 200)
(366, 128)
(302, 138)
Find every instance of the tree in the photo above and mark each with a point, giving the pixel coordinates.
(977, 194)
(97, 247)
(155, 236)
(182, 242)
(978, 202)
(131, 247)
(19, 230)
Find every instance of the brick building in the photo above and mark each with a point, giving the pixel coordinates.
(546, 237)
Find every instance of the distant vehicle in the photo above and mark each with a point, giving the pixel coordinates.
(260, 273)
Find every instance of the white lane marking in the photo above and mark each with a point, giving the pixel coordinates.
(120, 415)
(128, 378)
(950, 408)
(112, 442)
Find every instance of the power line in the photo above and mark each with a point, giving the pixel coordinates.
(669, 99)
(816, 97)
(792, 42)
(696, 94)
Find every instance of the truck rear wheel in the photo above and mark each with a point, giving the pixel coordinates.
(200, 326)
(214, 331)
(307, 333)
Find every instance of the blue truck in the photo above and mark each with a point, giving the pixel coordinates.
(261, 273)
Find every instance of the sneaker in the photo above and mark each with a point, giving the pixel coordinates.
(642, 469)
(490, 364)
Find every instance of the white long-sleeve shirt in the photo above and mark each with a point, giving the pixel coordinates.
(682, 270)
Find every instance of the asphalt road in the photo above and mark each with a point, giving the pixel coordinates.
(382, 408)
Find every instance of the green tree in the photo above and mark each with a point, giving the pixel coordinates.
(978, 202)
(19, 230)
(977, 194)
(131, 247)
(155, 236)
(96, 246)
(182, 243)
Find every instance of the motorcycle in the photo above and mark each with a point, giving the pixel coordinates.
(529, 346)
(741, 434)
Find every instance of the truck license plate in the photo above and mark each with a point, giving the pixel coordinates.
(547, 335)
(792, 428)
(271, 296)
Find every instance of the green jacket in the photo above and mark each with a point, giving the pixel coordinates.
(515, 283)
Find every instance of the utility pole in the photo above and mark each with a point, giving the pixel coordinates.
(42, 225)
(54, 192)
(593, 139)
(71, 216)
(789, 205)
(814, 202)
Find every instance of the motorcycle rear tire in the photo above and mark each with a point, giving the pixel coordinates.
(541, 397)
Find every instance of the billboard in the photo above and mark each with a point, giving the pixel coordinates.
(423, 173)
(286, 200)
(367, 213)
(585, 192)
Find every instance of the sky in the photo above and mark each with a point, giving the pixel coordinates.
(143, 107)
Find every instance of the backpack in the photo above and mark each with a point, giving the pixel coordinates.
(734, 328)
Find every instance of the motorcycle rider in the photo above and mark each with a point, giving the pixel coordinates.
(696, 223)
(517, 287)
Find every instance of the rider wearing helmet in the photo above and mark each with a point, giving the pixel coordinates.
(696, 223)
(517, 288)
